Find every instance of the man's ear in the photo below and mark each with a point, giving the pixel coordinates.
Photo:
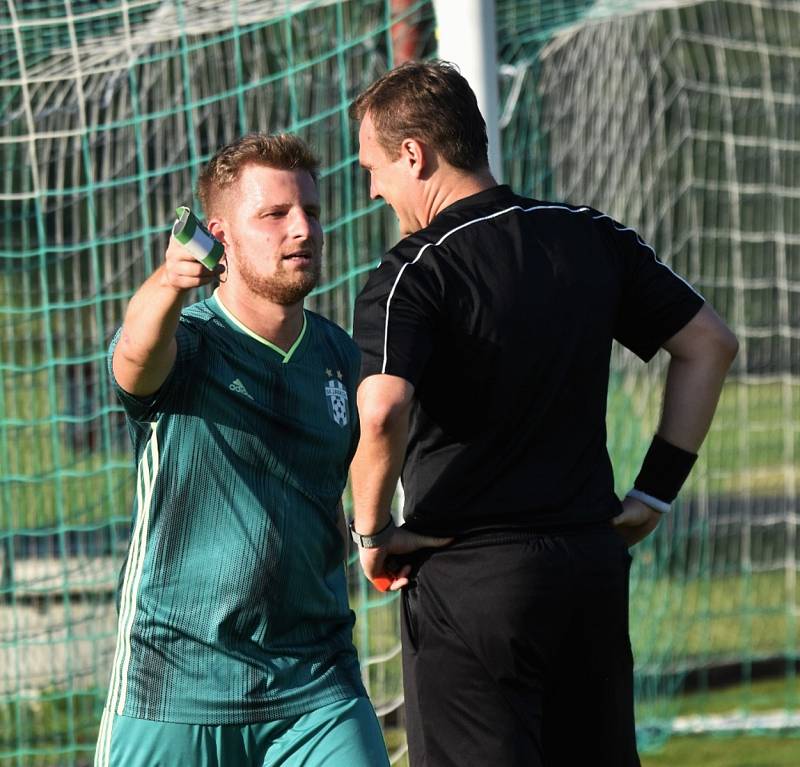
(218, 226)
(415, 156)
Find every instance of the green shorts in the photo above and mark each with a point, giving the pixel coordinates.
(345, 733)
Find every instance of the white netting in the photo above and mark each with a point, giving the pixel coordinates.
(682, 119)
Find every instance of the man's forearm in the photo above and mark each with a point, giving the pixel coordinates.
(376, 469)
(701, 355)
(146, 349)
(384, 406)
(691, 394)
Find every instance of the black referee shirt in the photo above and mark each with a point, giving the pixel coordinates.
(501, 314)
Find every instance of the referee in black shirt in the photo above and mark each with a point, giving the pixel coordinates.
(486, 338)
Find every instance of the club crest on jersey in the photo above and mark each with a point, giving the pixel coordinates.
(336, 395)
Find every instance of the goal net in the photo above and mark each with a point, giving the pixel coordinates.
(681, 119)
(109, 110)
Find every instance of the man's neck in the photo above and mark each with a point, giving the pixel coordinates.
(454, 186)
(278, 324)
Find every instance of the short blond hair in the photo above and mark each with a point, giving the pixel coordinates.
(281, 151)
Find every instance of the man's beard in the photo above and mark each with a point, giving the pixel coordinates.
(282, 287)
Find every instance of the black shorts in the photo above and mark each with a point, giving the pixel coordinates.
(516, 652)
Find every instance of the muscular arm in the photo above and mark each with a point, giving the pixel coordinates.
(145, 354)
(701, 354)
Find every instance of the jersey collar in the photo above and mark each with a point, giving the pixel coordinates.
(486, 197)
(239, 325)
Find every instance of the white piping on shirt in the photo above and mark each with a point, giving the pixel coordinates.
(617, 226)
(439, 242)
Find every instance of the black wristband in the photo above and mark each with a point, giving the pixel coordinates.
(375, 540)
(664, 470)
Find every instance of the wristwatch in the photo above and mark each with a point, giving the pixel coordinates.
(376, 539)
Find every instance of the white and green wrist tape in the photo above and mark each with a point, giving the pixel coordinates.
(190, 232)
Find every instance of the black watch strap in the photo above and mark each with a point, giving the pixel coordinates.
(376, 539)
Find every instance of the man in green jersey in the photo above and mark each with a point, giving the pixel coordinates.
(234, 644)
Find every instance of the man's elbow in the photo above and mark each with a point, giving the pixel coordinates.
(706, 340)
(718, 350)
(131, 353)
(141, 373)
(727, 346)
(384, 404)
(721, 344)
(381, 418)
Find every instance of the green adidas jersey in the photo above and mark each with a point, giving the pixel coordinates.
(233, 598)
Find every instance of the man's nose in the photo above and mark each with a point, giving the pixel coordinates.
(302, 225)
(373, 194)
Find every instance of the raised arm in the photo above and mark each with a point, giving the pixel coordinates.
(701, 354)
(145, 354)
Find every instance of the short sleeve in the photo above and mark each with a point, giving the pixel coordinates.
(149, 408)
(655, 302)
(396, 316)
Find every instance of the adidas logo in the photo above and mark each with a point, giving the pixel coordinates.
(238, 387)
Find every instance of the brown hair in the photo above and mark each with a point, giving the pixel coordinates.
(429, 101)
(282, 151)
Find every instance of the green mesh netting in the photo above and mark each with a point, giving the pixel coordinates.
(680, 118)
